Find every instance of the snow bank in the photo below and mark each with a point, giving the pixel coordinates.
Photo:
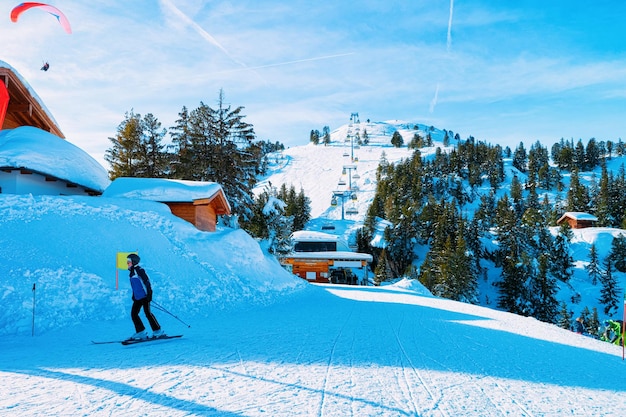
(46, 153)
(66, 247)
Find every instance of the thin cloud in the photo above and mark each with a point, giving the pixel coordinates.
(449, 39)
(433, 102)
(203, 33)
(319, 58)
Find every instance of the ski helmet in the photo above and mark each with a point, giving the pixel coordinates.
(133, 258)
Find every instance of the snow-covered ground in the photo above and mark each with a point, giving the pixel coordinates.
(326, 351)
(262, 342)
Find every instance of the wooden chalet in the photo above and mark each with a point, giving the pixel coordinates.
(24, 108)
(577, 220)
(35, 158)
(199, 203)
(323, 258)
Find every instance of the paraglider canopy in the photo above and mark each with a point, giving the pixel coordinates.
(21, 8)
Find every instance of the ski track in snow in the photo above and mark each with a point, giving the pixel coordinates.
(319, 354)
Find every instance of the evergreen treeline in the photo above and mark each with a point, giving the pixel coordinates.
(207, 144)
(425, 200)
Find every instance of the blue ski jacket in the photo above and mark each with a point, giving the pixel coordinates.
(140, 283)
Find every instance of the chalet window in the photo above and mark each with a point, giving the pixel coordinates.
(315, 247)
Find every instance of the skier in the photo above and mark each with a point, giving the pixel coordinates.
(579, 326)
(612, 332)
(142, 296)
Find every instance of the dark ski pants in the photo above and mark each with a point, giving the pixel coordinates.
(134, 314)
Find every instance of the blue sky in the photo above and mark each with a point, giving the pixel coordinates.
(503, 72)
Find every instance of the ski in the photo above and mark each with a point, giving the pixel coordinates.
(106, 342)
(150, 339)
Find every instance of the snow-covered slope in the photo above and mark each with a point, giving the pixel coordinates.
(317, 169)
(261, 341)
(67, 246)
(326, 351)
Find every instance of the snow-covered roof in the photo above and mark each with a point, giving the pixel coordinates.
(41, 151)
(161, 189)
(336, 255)
(313, 236)
(30, 96)
(578, 215)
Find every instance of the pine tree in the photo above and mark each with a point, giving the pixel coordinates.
(593, 267)
(592, 155)
(565, 317)
(520, 157)
(155, 162)
(399, 246)
(561, 262)
(618, 252)
(220, 143)
(279, 227)
(512, 289)
(380, 272)
(183, 155)
(301, 211)
(366, 137)
(397, 140)
(543, 289)
(610, 292)
(463, 273)
(603, 204)
(314, 137)
(593, 324)
(577, 196)
(125, 155)
(257, 224)
(579, 156)
(517, 196)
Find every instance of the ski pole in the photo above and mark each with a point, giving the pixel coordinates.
(160, 307)
(33, 309)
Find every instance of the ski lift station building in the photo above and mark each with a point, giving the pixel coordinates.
(323, 258)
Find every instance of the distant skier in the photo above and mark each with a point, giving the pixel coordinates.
(579, 326)
(612, 332)
(45, 67)
(142, 296)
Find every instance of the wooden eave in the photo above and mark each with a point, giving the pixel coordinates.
(50, 178)
(24, 109)
(218, 200)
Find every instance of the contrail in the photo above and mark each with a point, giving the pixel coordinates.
(449, 41)
(206, 35)
(433, 102)
(287, 63)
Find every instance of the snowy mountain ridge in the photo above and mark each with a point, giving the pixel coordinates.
(317, 168)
